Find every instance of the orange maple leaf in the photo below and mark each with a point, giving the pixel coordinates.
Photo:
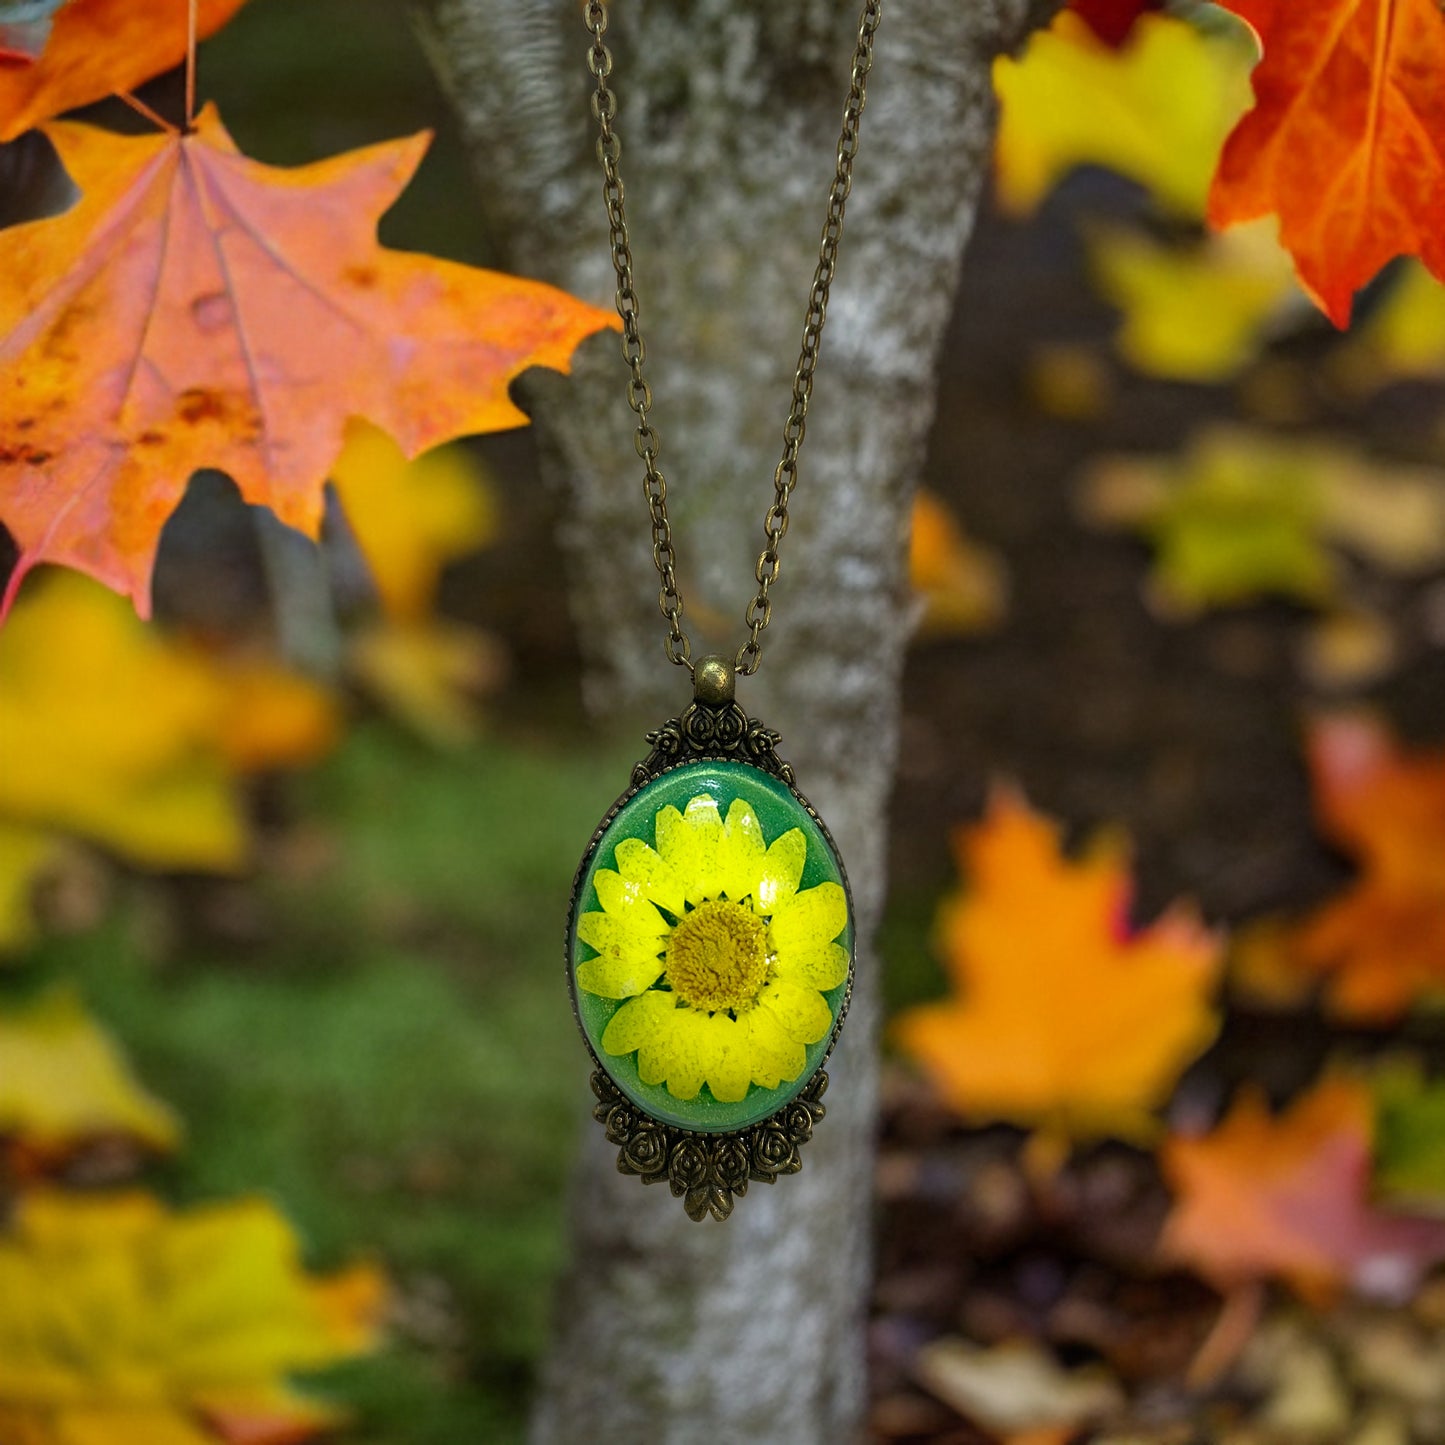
(199, 309)
(1287, 1197)
(1346, 140)
(1381, 943)
(1065, 1017)
(95, 48)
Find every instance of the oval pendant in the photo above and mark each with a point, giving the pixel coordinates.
(710, 960)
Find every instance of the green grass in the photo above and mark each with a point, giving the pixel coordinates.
(397, 1064)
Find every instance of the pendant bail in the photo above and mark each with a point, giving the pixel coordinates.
(714, 680)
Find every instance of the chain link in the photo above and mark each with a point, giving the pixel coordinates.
(634, 349)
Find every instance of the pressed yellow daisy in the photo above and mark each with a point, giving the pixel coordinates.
(721, 957)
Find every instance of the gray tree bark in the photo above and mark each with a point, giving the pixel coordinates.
(729, 111)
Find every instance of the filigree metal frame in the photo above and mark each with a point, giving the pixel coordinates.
(707, 1169)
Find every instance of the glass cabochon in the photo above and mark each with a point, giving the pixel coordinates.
(710, 946)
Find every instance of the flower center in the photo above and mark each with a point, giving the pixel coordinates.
(717, 957)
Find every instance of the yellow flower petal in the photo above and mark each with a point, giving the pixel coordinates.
(740, 853)
(637, 1022)
(638, 863)
(634, 934)
(618, 977)
(629, 952)
(726, 1061)
(821, 968)
(689, 841)
(809, 920)
(775, 1057)
(673, 1053)
(781, 871)
(625, 899)
(685, 1054)
(802, 1013)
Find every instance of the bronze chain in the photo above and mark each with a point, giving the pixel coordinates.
(634, 350)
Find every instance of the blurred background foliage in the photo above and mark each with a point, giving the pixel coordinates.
(282, 874)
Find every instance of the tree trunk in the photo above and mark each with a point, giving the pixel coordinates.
(750, 1330)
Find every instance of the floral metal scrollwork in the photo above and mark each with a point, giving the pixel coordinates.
(708, 730)
(707, 1171)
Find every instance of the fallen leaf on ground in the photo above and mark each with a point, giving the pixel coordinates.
(960, 582)
(1288, 1197)
(122, 734)
(1347, 650)
(63, 1082)
(1380, 945)
(1235, 518)
(198, 309)
(1260, 969)
(1345, 142)
(1291, 1368)
(1394, 1359)
(1062, 1015)
(1069, 380)
(1014, 1387)
(1409, 1135)
(1390, 516)
(1156, 110)
(96, 48)
(1243, 514)
(124, 1323)
(1193, 313)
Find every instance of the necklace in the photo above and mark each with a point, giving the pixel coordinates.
(710, 935)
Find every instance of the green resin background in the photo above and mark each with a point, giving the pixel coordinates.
(778, 810)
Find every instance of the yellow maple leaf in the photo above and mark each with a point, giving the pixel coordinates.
(109, 731)
(1197, 313)
(1062, 1016)
(1242, 513)
(122, 1323)
(1156, 110)
(410, 518)
(63, 1081)
(120, 733)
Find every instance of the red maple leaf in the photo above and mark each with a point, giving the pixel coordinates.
(1288, 1196)
(1112, 20)
(1346, 140)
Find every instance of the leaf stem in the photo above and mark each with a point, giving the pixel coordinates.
(190, 63)
(141, 108)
